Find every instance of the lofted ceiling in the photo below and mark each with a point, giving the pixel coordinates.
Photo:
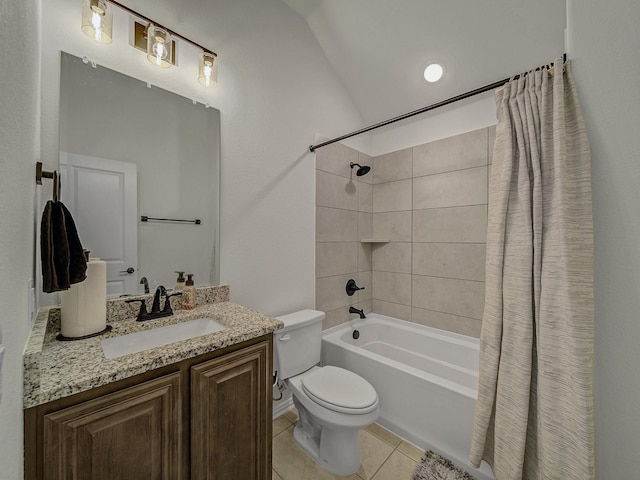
(379, 48)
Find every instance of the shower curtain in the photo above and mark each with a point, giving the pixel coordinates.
(534, 413)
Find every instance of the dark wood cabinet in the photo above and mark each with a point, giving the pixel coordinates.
(228, 424)
(133, 433)
(205, 418)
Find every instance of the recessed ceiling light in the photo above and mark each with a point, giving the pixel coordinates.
(433, 73)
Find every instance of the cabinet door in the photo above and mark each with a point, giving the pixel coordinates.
(230, 410)
(131, 434)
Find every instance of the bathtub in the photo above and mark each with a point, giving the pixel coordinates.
(426, 380)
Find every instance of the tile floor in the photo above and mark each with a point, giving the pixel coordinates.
(384, 455)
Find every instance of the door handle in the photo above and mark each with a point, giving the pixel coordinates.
(129, 270)
(285, 337)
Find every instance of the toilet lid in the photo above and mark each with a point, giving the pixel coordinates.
(340, 390)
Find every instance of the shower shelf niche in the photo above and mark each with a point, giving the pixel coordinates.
(374, 240)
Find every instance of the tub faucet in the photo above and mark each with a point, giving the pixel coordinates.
(145, 282)
(359, 312)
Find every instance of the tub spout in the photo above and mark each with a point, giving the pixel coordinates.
(359, 312)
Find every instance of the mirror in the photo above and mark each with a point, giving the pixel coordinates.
(129, 150)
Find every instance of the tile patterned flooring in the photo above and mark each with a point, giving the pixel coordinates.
(384, 455)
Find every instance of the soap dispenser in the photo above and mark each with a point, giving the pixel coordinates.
(179, 282)
(189, 294)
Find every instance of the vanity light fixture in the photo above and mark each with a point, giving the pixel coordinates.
(97, 20)
(208, 69)
(158, 42)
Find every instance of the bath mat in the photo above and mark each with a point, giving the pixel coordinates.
(435, 467)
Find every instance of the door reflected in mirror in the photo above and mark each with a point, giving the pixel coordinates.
(129, 150)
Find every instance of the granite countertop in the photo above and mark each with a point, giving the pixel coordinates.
(55, 369)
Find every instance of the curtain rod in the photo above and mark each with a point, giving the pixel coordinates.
(448, 101)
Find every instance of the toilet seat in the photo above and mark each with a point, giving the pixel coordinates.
(340, 390)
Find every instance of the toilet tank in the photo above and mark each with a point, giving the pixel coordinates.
(296, 346)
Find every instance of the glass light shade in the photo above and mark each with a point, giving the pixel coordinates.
(97, 20)
(159, 46)
(208, 70)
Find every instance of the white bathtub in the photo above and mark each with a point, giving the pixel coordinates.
(426, 380)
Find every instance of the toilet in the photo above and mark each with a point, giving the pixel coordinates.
(333, 404)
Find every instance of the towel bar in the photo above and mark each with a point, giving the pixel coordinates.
(144, 218)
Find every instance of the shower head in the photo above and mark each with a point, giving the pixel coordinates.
(362, 170)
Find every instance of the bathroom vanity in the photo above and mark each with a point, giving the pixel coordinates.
(197, 408)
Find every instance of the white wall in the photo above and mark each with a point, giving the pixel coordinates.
(275, 92)
(603, 39)
(276, 89)
(18, 154)
(460, 117)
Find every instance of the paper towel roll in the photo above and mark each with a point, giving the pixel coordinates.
(84, 305)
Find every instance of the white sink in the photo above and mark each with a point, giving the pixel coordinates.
(115, 347)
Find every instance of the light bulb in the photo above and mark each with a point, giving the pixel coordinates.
(159, 46)
(97, 20)
(208, 70)
(207, 75)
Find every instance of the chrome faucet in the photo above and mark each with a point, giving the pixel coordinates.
(359, 312)
(145, 282)
(155, 307)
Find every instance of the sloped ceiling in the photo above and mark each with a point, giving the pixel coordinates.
(379, 48)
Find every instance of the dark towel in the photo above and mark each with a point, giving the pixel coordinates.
(63, 260)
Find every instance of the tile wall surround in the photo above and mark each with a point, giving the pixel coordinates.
(344, 205)
(430, 202)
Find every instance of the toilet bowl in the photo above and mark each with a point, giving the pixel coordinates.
(328, 432)
(334, 404)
